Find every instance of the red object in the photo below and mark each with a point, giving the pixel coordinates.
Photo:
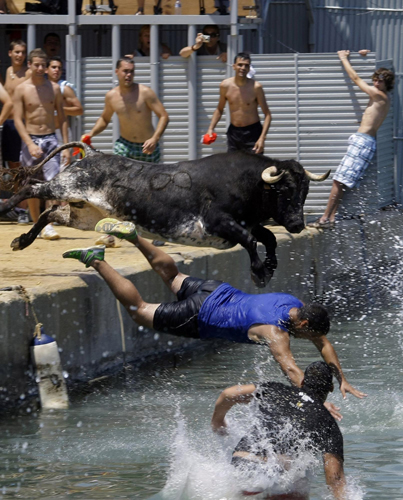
(209, 139)
(87, 140)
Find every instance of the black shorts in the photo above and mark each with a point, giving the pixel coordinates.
(243, 138)
(180, 318)
(10, 142)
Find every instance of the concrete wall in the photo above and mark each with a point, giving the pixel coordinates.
(344, 266)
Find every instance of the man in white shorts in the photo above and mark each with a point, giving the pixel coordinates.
(35, 103)
(362, 144)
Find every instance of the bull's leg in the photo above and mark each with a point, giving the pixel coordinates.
(268, 239)
(53, 214)
(225, 227)
(25, 193)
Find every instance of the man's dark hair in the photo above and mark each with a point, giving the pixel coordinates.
(124, 59)
(17, 42)
(37, 53)
(214, 26)
(385, 75)
(317, 316)
(54, 58)
(318, 378)
(243, 55)
(48, 35)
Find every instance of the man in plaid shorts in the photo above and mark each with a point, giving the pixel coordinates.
(134, 104)
(362, 144)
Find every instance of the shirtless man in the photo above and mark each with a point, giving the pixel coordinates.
(71, 104)
(361, 145)
(35, 103)
(243, 95)
(15, 74)
(133, 103)
(211, 309)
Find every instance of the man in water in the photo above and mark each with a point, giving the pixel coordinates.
(361, 145)
(209, 309)
(244, 95)
(133, 103)
(36, 102)
(290, 424)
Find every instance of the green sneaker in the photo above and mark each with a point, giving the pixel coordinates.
(124, 230)
(86, 255)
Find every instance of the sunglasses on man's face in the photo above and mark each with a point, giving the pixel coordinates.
(212, 35)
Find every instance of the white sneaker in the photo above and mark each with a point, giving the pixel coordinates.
(107, 240)
(49, 233)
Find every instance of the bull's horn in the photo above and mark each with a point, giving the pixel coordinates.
(269, 175)
(315, 177)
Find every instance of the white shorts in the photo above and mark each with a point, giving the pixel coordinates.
(360, 151)
(47, 143)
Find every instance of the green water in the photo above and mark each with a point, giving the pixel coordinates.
(127, 440)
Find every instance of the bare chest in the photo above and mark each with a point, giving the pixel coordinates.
(39, 99)
(241, 96)
(129, 106)
(12, 81)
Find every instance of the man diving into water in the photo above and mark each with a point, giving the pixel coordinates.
(290, 423)
(209, 309)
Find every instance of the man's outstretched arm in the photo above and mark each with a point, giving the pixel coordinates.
(226, 400)
(329, 355)
(368, 89)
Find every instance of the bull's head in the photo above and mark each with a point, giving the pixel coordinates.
(291, 194)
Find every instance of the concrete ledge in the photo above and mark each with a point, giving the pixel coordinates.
(78, 309)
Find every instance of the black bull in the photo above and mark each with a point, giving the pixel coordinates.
(217, 201)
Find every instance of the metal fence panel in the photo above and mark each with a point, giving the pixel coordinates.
(173, 93)
(210, 73)
(96, 74)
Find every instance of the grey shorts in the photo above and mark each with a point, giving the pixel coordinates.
(360, 151)
(47, 143)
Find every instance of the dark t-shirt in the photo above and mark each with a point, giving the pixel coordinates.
(291, 420)
(221, 47)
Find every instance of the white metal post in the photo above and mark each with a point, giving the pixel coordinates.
(232, 49)
(115, 58)
(31, 37)
(154, 64)
(192, 95)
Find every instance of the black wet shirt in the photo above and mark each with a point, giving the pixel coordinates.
(291, 420)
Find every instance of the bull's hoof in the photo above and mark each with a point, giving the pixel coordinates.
(20, 243)
(15, 244)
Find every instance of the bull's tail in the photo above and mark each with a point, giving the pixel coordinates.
(14, 179)
(75, 144)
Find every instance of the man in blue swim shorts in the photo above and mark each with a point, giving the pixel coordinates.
(361, 145)
(210, 309)
(134, 104)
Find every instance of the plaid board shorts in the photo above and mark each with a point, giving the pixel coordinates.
(47, 143)
(360, 151)
(134, 150)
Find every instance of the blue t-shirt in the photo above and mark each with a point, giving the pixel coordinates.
(228, 313)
